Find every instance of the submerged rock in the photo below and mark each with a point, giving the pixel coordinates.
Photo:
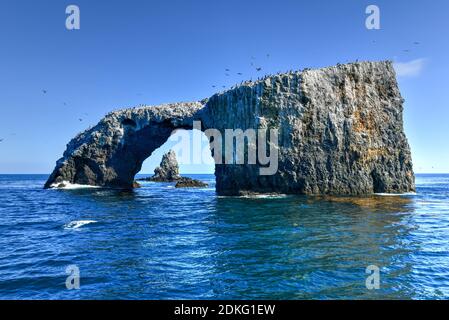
(136, 185)
(340, 131)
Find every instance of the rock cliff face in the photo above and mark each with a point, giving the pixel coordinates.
(340, 131)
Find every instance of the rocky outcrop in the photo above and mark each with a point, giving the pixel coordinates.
(186, 182)
(167, 171)
(340, 131)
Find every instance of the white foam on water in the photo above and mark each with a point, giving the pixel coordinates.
(396, 194)
(78, 224)
(258, 196)
(265, 196)
(65, 185)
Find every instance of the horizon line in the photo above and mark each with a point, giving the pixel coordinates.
(184, 173)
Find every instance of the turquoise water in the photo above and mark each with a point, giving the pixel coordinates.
(159, 242)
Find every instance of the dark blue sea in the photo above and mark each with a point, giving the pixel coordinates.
(159, 242)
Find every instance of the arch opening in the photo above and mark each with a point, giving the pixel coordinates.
(192, 153)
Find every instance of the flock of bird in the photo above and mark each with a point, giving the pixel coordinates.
(416, 43)
(258, 68)
(44, 91)
(228, 71)
(227, 74)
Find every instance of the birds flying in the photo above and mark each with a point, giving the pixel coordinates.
(258, 69)
(44, 91)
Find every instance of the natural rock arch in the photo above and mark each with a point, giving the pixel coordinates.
(340, 132)
(111, 153)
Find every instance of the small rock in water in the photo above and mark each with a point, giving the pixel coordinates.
(136, 185)
(168, 170)
(190, 183)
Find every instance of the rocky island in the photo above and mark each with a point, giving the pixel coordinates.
(168, 171)
(340, 132)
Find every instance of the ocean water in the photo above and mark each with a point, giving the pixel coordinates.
(159, 242)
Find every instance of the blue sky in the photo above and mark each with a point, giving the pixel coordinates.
(150, 52)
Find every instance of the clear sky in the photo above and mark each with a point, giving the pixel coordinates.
(150, 52)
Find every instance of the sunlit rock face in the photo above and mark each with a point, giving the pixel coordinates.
(340, 131)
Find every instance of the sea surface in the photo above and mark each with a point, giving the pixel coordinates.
(159, 242)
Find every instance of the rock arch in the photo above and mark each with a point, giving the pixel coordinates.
(340, 132)
(111, 153)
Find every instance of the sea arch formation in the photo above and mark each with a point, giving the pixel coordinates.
(340, 131)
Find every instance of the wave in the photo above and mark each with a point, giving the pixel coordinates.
(259, 196)
(396, 194)
(78, 224)
(70, 186)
